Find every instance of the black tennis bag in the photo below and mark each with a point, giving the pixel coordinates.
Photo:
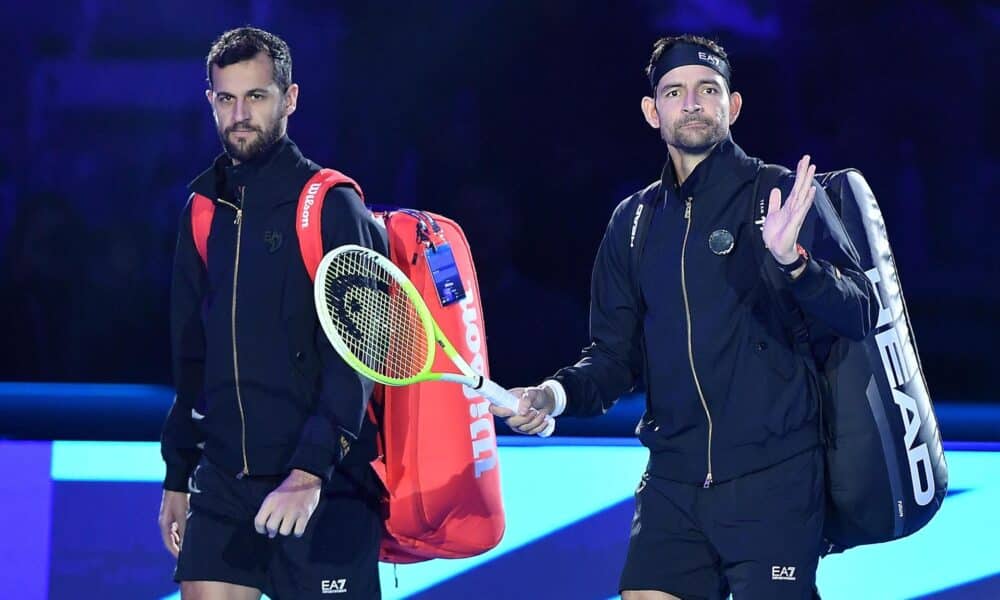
(886, 470)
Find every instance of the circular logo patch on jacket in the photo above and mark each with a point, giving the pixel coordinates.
(721, 242)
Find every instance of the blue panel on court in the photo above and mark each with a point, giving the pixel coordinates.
(569, 504)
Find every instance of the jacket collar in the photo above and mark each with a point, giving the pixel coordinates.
(724, 171)
(223, 178)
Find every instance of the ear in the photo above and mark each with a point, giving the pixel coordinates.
(291, 99)
(735, 104)
(210, 96)
(649, 112)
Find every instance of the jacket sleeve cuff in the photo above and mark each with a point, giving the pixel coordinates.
(809, 283)
(559, 392)
(316, 460)
(176, 479)
(320, 448)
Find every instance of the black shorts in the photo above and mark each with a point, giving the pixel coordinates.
(757, 536)
(337, 557)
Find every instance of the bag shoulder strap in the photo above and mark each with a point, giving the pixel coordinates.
(642, 215)
(202, 211)
(768, 177)
(309, 227)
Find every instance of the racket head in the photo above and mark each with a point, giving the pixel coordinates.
(374, 316)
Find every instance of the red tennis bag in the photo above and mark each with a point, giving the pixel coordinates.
(438, 450)
(439, 458)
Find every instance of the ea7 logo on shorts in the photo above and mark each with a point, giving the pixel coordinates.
(333, 586)
(782, 573)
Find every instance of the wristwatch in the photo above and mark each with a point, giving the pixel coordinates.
(803, 258)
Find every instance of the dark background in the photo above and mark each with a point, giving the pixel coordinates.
(519, 119)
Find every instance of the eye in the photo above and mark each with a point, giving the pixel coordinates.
(256, 96)
(672, 93)
(224, 99)
(711, 90)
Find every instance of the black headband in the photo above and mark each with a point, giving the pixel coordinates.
(681, 54)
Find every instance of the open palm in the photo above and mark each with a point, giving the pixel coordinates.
(784, 220)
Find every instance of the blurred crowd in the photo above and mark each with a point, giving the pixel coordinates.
(519, 120)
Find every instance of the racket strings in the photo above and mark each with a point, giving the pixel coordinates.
(374, 316)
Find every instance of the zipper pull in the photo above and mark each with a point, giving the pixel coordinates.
(243, 202)
(241, 474)
(687, 208)
(708, 481)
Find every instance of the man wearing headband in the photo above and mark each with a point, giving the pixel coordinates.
(732, 500)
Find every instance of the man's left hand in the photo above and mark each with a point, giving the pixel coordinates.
(783, 222)
(288, 508)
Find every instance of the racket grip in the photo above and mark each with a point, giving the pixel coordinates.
(501, 397)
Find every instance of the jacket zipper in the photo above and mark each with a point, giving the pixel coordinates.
(687, 315)
(236, 365)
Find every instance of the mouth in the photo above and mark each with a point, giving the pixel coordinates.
(695, 124)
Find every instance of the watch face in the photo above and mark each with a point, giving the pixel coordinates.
(721, 242)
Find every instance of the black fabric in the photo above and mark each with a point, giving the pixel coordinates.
(341, 541)
(757, 385)
(758, 536)
(682, 54)
(268, 391)
(875, 494)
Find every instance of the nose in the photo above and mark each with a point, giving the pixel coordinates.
(241, 112)
(691, 103)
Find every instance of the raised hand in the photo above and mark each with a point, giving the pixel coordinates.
(783, 222)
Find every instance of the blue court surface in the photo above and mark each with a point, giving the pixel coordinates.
(80, 522)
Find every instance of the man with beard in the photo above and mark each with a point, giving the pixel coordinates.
(267, 485)
(733, 496)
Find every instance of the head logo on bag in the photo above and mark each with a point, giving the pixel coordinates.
(901, 368)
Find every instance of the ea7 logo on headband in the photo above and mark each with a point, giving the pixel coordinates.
(710, 58)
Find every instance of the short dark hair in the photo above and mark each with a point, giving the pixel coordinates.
(665, 43)
(244, 43)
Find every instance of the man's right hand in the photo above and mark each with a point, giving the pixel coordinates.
(536, 403)
(173, 520)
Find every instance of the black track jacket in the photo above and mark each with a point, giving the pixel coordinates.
(727, 391)
(260, 390)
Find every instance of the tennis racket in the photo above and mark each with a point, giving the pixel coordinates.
(379, 324)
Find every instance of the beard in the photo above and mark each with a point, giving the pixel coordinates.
(695, 140)
(247, 149)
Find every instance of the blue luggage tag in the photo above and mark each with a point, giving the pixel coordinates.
(444, 271)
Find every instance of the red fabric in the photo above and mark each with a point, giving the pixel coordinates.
(202, 211)
(440, 458)
(309, 227)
